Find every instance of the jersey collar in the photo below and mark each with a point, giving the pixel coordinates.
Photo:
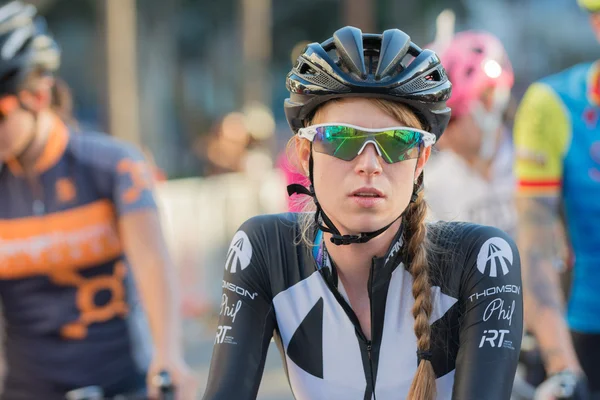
(53, 151)
(393, 256)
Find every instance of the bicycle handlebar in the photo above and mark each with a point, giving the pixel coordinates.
(162, 381)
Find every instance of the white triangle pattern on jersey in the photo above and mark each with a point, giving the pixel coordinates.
(340, 381)
(343, 374)
(398, 363)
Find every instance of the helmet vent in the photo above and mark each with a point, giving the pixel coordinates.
(306, 69)
(407, 60)
(435, 76)
(422, 83)
(335, 57)
(324, 80)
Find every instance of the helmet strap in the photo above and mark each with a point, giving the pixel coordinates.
(328, 226)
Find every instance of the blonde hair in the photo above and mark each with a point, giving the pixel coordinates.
(423, 386)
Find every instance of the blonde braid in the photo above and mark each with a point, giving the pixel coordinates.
(423, 385)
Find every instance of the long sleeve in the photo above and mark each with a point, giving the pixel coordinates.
(246, 321)
(491, 324)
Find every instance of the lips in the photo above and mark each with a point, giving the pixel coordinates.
(367, 192)
(367, 197)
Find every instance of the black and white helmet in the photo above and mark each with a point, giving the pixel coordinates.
(25, 46)
(387, 66)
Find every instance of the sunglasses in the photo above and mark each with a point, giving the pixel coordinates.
(345, 141)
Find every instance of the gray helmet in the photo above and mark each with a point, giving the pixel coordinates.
(25, 46)
(386, 66)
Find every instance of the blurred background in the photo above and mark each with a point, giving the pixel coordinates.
(199, 85)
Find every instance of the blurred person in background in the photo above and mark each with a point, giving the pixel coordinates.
(558, 171)
(77, 215)
(365, 299)
(470, 178)
(227, 147)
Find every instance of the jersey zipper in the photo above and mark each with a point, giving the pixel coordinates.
(365, 343)
(369, 342)
(37, 192)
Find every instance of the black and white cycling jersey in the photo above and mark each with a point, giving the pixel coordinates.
(273, 286)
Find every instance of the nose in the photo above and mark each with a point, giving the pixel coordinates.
(368, 162)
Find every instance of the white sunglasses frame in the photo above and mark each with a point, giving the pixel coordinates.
(309, 133)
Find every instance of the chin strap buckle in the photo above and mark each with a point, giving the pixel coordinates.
(347, 239)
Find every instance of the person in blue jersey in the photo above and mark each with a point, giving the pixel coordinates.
(83, 263)
(558, 170)
(364, 298)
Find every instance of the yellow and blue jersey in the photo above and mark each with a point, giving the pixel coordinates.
(557, 137)
(72, 317)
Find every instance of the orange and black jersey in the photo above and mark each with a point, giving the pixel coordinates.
(71, 314)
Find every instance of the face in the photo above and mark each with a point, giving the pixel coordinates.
(17, 126)
(16, 130)
(478, 133)
(341, 185)
(463, 133)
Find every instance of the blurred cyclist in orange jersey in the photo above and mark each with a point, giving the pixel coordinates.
(80, 238)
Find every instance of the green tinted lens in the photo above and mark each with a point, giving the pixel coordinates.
(342, 142)
(345, 142)
(398, 145)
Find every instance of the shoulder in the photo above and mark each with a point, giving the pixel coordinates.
(565, 78)
(264, 253)
(271, 224)
(545, 92)
(459, 249)
(540, 94)
(101, 150)
(542, 112)
(268, 234)
(463, 237)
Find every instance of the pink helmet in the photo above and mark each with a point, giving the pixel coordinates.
(474, 61)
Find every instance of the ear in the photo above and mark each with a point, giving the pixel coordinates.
(40, 98)
(303, 153)
(422, 160)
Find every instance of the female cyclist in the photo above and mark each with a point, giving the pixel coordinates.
(365, 300)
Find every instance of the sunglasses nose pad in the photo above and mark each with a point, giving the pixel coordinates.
(375, 145)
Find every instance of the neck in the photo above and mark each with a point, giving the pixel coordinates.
(35, 148)
(353, 261)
